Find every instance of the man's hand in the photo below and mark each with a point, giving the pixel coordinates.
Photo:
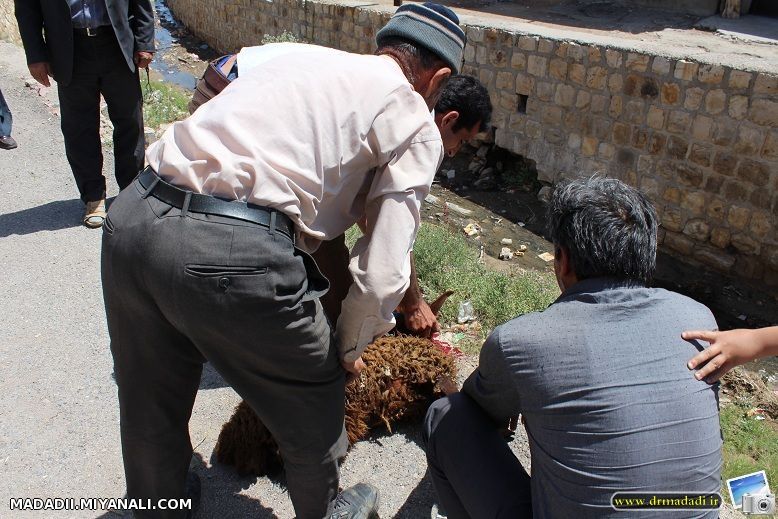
(353, 369)
(420, 320)
(143, 58)
(727, 350)
(41, 72)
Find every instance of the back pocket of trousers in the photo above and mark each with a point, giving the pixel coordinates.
(207, 271)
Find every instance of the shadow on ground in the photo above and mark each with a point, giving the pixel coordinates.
(53, 216)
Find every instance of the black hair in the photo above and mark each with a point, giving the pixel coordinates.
(607, 227)
(469, 97)
(413, 58)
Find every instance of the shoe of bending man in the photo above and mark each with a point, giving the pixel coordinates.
(599, 378)
(205, 255)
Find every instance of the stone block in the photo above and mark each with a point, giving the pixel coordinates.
(469, 54)
(505, 81)
(615, 83)
(756, 173)
(761, 224)
(701, 154)
(738, 217)
(561, 49)
(599, 103)
(724, 163)
(552, 115)
(645, 165)
(632, 85)
(557, 69)
(693, 202)
(672, 195)
(724, 131)
(634, 111)
(554, 136)
(701, 127)
(589, 146)
(749, 140)
(486, 76)
(717, 209)
(597, 78)
(564, 95)
(481, 55)
(534, 129)
(544, 90)
(738, 107)
(746, 244)
(621, 133)
(518, 61)
(720, 237)
(672, 220)
(498, 58)
(717, 260)
(770, 149)
(577, 73)
(739, 79)
(583, 100)
(509, 101)
(606, 150)
(614, 58)
(475, 34)
(637, 62)
(656, 143)
(693, 98)
(677, 147)
(574, 141)
(655, 118)
(764, 112)
(685, 70)
(576, 52)
(537, 65)
(766, 84)
(595, 55)
(678, 242)
(689, 174)
(735, 191)
(671, 93)
(697, 229)
(545, 46)
(710, 74)
(528, 43)
(639, 137)
(524, 84)
(660, 66)
(615, 108)
(679, 121)
(716, 100)
(649, 186)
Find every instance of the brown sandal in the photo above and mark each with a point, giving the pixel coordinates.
(95, 214)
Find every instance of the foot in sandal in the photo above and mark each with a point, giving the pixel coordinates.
(94, 215)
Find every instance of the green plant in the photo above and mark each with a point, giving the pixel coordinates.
(285, 36)
(163, 103)
(749, 444)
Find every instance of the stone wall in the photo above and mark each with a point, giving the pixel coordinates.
(9, 31)
(700, 139)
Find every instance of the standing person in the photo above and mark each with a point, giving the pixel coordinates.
(222, 221)
(598, 377)
(92, 47)
(6, 141)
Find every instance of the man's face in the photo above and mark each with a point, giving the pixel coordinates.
(453, 139)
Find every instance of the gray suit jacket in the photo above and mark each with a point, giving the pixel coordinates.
(47, 31)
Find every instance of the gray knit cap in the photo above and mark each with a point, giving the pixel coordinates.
(429, 25)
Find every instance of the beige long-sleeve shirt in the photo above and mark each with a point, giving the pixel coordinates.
(326, 137)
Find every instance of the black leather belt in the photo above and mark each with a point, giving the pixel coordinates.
(94, 31)
(206, 204)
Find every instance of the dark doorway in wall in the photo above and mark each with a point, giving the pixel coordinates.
(764, 8)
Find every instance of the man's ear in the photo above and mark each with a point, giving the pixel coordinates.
(435, 85)
(563, 268)
(449, 118)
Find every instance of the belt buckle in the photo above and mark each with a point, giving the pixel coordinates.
(91, 31)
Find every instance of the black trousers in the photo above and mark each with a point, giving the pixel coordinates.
(474, 472)
(99, 67)
(183, 289)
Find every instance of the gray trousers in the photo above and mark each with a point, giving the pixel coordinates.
(182, 290)
(474, 472)
(6, 120)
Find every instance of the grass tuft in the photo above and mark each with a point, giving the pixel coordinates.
(750, 445)
(163, 103)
